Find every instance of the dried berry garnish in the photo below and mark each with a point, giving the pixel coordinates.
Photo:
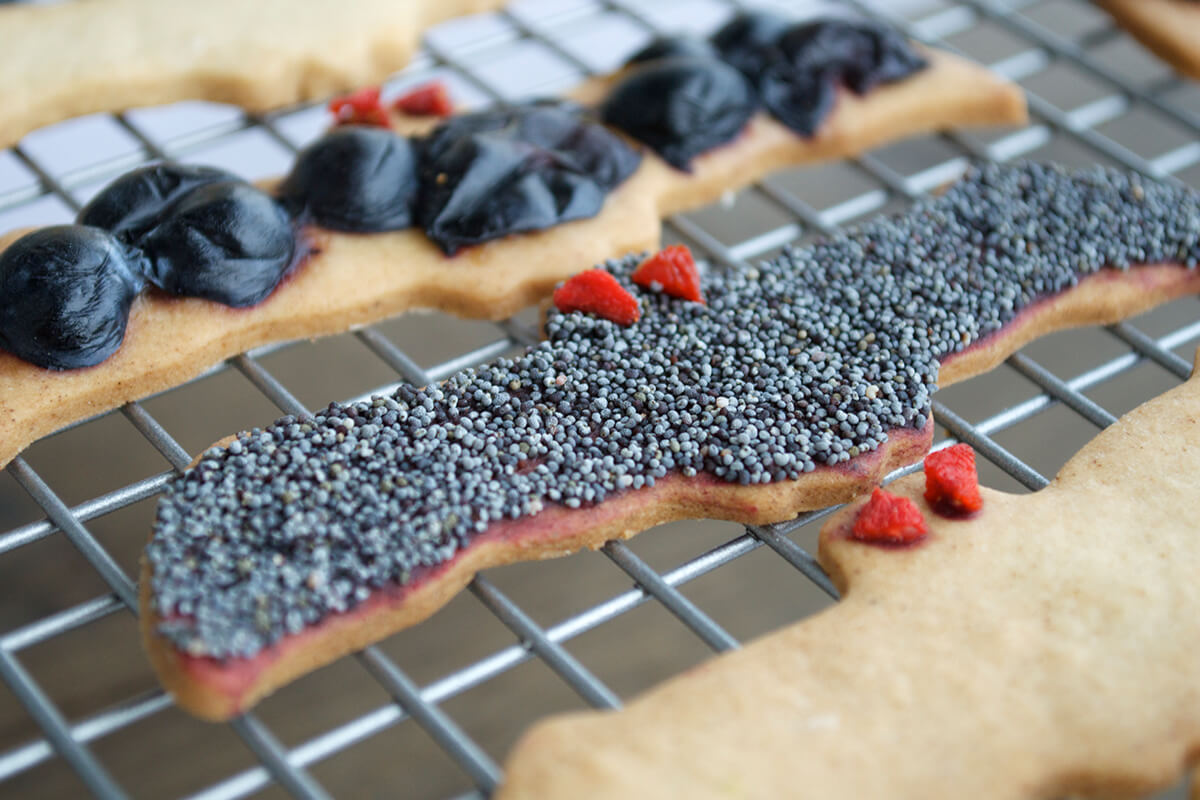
(67, 290)
(428, 100)
(596, 291)
(951, 481)
(134, 202)
(670, 46)
(509, 170)
(813, 59)
(749, 39)
(361, 107)
(681, 107)
(354, 179)
(889, 519)
(226, 242)
(671, 270)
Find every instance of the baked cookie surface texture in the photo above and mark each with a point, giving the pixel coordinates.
(1170, 28)
(1042, 647)
(74, 58)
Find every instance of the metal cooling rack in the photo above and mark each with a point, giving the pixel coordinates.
(545, 46)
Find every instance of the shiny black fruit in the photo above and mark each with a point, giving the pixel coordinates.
(800, 100)
(670, 46)
(559, 126)
(814, 59)
(681, 107)
(65, 293)
(749, 39)
(568, 131)
(226, 242)
(355, 179)
(136, 201)
(509, 170)
(862, 54)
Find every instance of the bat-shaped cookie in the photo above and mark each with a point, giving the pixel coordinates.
(790, 386)
(1171, 28)
(67, 59)
(1044, 647)
(339, 280)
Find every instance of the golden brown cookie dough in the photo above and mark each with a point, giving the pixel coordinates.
(1171, 28)
(75, 58)
(354, 280)
(217, 690)
(1045, 647)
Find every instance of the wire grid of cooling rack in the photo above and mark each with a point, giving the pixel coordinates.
(536, 24)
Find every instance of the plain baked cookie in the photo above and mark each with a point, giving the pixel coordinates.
(1044, 647)
(1171, 28)
(357, 279)
(76, 58)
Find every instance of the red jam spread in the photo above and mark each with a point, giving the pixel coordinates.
(889, 519)
(951, 483)
(360, 108)
(671, 270)
(596, 291)
(427, 100)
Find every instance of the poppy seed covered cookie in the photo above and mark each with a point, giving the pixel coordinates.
(807, 360)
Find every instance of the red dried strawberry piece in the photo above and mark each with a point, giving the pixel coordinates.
(889, 519)
(597, 292)
(360, 108)
(671, 270)
(951, 482)
(428, 100)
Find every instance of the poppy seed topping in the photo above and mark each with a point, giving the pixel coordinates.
(806, 360)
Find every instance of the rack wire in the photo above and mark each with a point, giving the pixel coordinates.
(548, 45)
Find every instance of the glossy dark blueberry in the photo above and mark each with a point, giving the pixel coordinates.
(487, 175)
(670, 46)
(681, 107)
(65, 293)
(813, 59)
(556, 125)
(749, 39)
(226, 242)
(862, 54)
(136, 201)
(355, 179)
(800, 100)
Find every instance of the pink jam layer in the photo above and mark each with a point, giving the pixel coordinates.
(235, 677)
(1150, 277)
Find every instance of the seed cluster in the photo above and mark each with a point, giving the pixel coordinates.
(809, 359)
